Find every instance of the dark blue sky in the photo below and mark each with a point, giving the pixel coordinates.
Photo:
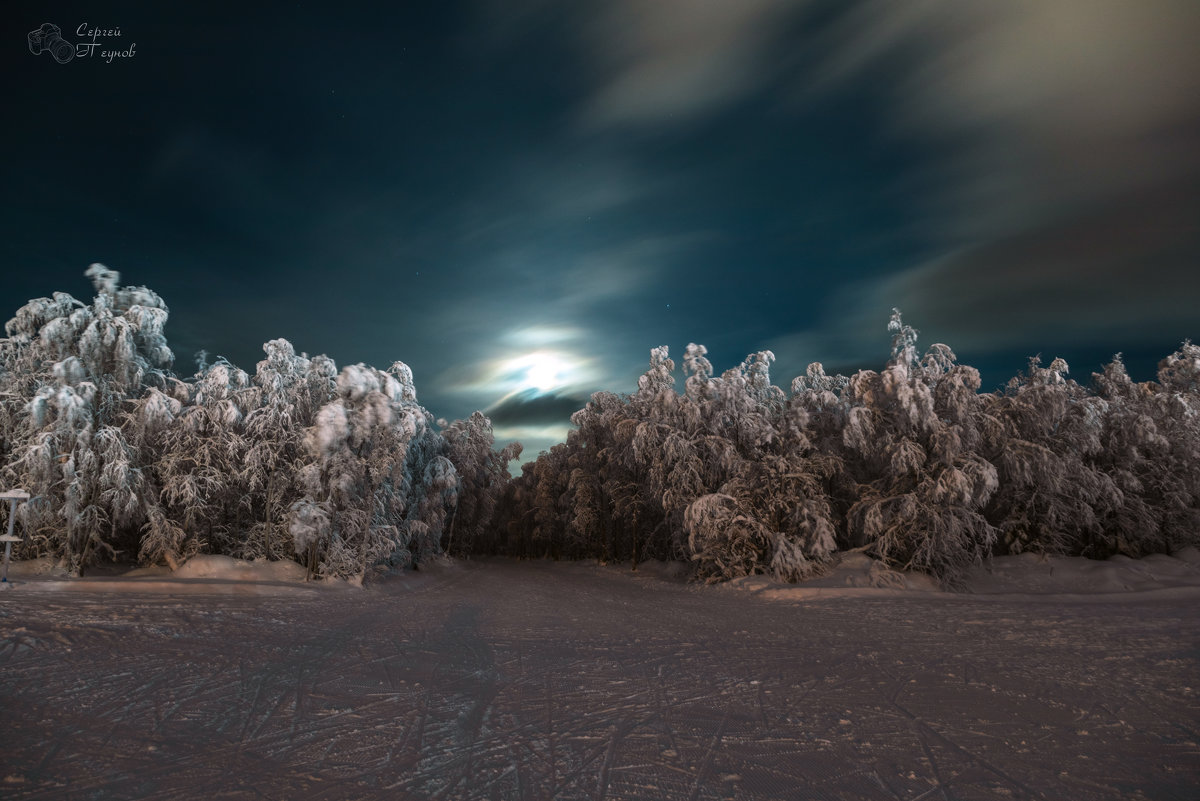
(519, 198)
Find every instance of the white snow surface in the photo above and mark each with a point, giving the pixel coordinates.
(201, 574)
(497, 678)
(1009, 577)
(227, 568)
(855, 575)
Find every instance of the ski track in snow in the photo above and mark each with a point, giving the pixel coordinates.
(532, 681)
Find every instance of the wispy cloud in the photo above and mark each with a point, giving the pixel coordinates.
(567, 312)
(672, 60)
(1062, 188)
(534, 438)
(1037, 104)
(532, 408)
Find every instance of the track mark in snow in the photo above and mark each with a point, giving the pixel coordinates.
(488, 689)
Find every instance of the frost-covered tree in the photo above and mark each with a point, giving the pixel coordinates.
(199, 462)
(346, 470)
(1175, 411)
(1042, 435)
(618, 504)
(551, 504)
(433, 487)
(123, 457)
(1143, 438)
(910, 440)
(58, 465)
(776, 478)
(292, 390)
(70, 371)
(376, 488)
(482, 473)
(725, 540)
(912, 464)
(638, 477)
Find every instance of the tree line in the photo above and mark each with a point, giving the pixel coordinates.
(911, 464)
(345, 472)
(342, 471)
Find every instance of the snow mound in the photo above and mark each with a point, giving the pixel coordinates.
(226, 568)
(1027, 575)
(854, 575)
(205, 575)
(42, 567)
(1050, 575)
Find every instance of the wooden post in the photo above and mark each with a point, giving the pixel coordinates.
(13, 497)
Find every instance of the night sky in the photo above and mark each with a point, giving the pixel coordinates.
(520, 198)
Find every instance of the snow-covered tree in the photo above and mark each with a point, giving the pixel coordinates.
(376, 488)
(199, 461)
(910, 441)
(482, 473)
(1143, 438)
(1041, 434)
(627, 482)
(293, 388)
(69, 372)
(724, 539)
(345, 470)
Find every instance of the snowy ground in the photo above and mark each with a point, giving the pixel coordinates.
(507, 680)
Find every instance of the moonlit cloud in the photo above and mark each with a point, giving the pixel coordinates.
(1018, 290)
(1059, 136)
(540, 371)
(671, 60)
(539, 336)
(533, 438)
(560, 303)
(521, 200)
(529, 408)
(1063, 188)
(1037, 103)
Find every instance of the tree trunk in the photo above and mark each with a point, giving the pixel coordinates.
(269, 521)
(635, 540)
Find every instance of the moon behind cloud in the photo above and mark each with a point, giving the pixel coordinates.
(543, 371)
